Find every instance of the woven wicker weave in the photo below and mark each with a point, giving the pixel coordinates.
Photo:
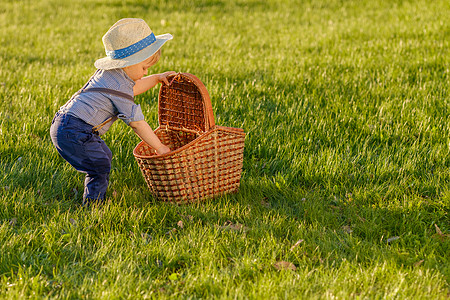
(205, 161)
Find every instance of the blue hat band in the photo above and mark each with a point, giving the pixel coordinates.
(132, 49)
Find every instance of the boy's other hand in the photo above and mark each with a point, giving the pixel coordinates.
(162, 150)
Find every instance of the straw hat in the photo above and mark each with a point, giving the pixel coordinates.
(128, 42)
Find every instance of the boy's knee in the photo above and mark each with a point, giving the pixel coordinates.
(99, 166)
(107, 151)
(103, 167)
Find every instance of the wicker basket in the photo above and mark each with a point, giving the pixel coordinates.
(205, 161)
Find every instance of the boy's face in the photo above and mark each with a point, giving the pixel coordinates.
(137, 71)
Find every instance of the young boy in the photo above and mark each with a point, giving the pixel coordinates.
(131, 48)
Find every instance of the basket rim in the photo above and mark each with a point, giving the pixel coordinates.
(238, 131)
(207, 105)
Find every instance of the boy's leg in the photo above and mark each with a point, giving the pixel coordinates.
(85, 151)
(97, 178)
(95, 186)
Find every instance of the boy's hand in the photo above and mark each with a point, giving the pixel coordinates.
(163, 77)
(145, 132)
(162, 150)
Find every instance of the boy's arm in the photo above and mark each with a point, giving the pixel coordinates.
(146, 83)
(145, 132)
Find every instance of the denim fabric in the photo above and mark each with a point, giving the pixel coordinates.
(85, 151)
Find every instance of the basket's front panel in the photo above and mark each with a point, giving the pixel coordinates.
(210, 167)
(181, 105)
(188, 175)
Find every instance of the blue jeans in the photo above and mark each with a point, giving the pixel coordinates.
(85, 151)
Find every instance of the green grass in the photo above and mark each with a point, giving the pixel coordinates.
(346, 109)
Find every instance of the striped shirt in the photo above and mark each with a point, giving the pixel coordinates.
(96, 107)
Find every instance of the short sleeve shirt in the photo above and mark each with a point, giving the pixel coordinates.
(96, 107)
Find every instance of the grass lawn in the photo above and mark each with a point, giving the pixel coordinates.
(345, 192)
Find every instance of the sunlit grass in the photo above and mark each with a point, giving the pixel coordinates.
(346, 109)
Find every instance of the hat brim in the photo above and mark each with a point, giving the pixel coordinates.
(108, 63)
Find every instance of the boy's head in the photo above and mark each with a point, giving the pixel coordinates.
(129, 42)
